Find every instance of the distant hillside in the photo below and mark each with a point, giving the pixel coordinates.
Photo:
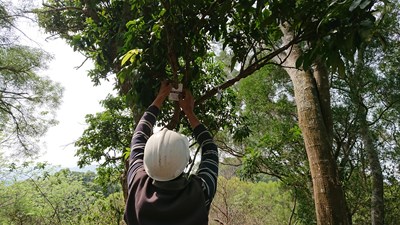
(84, 169)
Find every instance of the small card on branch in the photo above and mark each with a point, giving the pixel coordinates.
(175, 92)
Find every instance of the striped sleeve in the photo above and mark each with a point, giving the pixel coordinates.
(208, 168)
(142, 133)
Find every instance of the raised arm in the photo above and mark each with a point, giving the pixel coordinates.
(208, 168)
(143, 131)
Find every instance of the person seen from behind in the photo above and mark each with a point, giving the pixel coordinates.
(159, 192)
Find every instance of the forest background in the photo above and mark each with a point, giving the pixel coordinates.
(301, 96)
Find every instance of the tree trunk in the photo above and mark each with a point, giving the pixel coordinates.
(328, 194)
(322, 81)
(329, 198)
(124, 181)
(377, 200)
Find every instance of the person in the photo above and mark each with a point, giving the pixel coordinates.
(159, 192)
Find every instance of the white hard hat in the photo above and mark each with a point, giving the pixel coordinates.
(166, 155)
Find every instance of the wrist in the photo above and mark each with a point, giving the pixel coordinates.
(158, 101)
(189, 113)
(193, 120)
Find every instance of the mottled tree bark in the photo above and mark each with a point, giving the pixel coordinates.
(377, 195)
(322, 81)
(315, 124)
(377, 200)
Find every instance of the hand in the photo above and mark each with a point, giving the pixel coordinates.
(187, 102)
(165, 89)
(163, 93)
(187, 105)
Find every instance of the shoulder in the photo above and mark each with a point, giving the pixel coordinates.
(197, 181)
(195, 178)
(140, 175)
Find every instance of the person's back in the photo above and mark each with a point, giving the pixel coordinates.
(176, 202)
(158, 191)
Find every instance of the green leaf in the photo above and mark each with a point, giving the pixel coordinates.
(133, 22)
(127, 153)
(162, 12)
(308, 59)
(122, 75)
(299, 61)
(341, 67)
(130, 55)
(233, 63)
(365, 4)
(354, 5)
(156, 28)
(130, 97)
(333, 60)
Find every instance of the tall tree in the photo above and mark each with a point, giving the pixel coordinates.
(274, 145)
(312, 94)
(36, 194)
(372, 93)
(239, 202)
(27, 100)
(316, 129)
(106, 140)
(166, 39)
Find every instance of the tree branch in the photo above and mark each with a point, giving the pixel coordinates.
(57, 9)
(224, 147)
(247, 72)
(293, 211)
(47, 199)
(383, 112)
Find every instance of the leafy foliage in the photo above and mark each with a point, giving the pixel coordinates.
(27, 100)
(170, 37)
(107, 140)
(38, 195)
(274, 145)
(105, 211)
(240, 202)
(366, 95)
(143, 42)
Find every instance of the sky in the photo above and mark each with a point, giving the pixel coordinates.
(80, 96)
